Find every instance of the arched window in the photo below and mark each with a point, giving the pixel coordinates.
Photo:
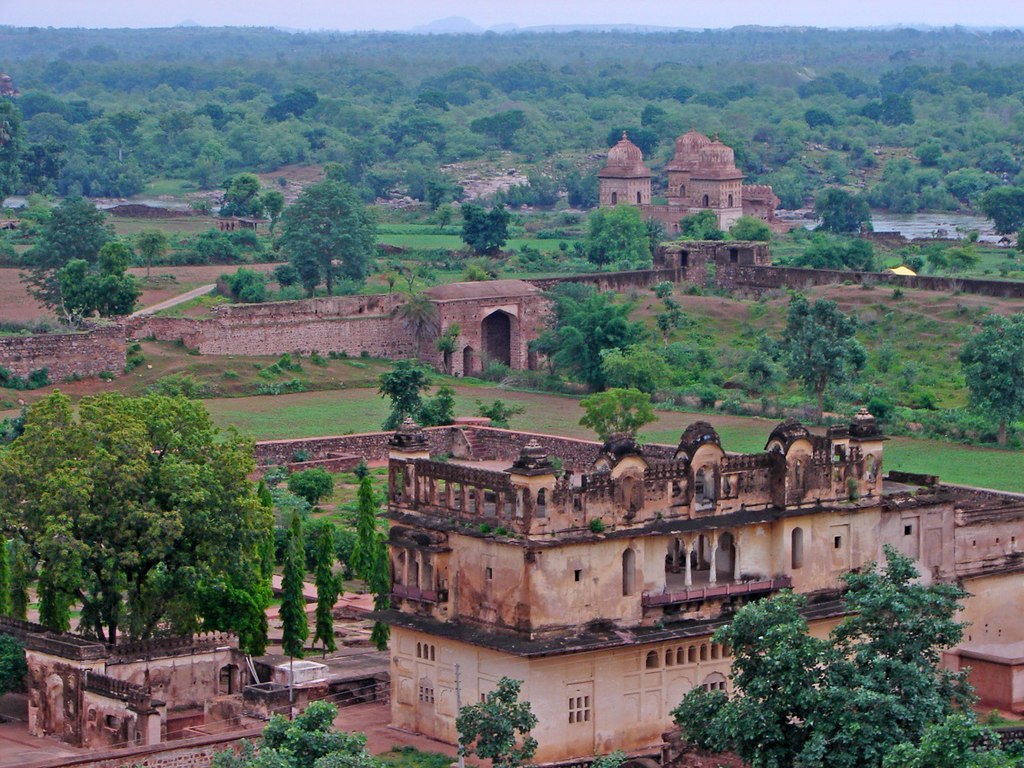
(682, 190)
(615, 198)
(628, 572)
(652, 660)
(707, 201)
(542, 503)
(730, 201)
(670, 657)
(699, 485)
(639, 200)
(691, 654)
(797, 548)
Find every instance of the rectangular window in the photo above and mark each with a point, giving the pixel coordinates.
(837, 542)
(908, 530)
(577, 575)
(579, 709)
(427, 694)
(488, 573)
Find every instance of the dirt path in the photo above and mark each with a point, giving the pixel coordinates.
(187, 296)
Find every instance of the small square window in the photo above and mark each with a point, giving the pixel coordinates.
(837, 542)
(908, 530)
(488, 573)
(577, 575)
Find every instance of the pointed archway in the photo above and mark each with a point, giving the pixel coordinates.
(496, 332)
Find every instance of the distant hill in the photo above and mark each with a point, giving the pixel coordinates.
(452, 25)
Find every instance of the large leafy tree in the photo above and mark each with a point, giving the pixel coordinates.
(76, 230)
(846, 701)
(403, 385)
(328, 234)
(1005, 206)
(151, 244)
(841, 211)
(583, 324)
(104, 290)
(617, 411)
(242, 197)
(819, 346)
(993, 364)
(484, 231)
(498, 728)
(308, 741)
(618, 236)
(137, 509)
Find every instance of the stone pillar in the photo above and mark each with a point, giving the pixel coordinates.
(675, 555)
(688, 546)
(736, 557)
(713, 543)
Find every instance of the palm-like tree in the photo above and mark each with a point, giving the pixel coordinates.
(420, 317)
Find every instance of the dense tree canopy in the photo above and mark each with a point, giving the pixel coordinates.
(485, 231)
(616, 412)
(583, 324)
(618, 236)
(841, 211)
(846, 701)
(497, 728)
(819, 345)
(993, 364)
(329, 234)
(75, 230)
(139, 510)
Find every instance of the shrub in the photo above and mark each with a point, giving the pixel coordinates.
(311, 484)
(596, 525)
(35, 380)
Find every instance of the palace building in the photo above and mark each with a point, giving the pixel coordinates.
(597, 574)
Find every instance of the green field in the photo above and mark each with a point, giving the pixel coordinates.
(312, 414)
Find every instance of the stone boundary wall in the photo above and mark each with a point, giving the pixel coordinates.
(188, 753)
(765, 278)
(640, 279)
(273, 329)
(494, 443)
(65, 355)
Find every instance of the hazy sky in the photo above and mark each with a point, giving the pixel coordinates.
(403, 14)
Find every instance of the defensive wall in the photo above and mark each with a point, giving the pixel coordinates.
(479, 442)
(351, 324)
(65, 355)
(759, 279)
(497, 318)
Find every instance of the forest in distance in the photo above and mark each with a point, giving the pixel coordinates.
(915, 120)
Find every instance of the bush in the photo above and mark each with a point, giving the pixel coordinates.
(247, 286)
(35, 380)
(596, 525)
(311, 484)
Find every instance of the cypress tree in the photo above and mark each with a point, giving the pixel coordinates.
(370, 554)
(327, 588)
(293, 606)
(5, 579)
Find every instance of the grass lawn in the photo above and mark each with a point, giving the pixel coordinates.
(312, 414)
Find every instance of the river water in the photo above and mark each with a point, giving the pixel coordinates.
(951, 226)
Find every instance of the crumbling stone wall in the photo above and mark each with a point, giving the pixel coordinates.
(65, 355)
(761, 278)
(351, 324)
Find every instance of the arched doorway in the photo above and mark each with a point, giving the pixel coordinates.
(725, 557)
(496, 331)
(468, 361)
